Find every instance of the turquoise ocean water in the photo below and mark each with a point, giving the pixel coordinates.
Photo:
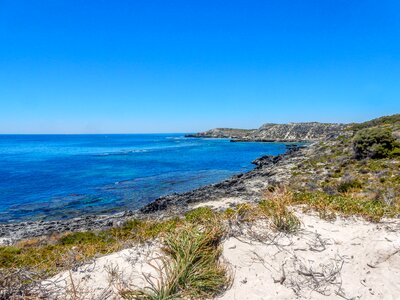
(63, 176)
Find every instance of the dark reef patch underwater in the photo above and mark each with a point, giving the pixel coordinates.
(48, 177)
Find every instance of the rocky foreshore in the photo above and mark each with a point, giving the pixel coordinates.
(247, 186)
(16, 231)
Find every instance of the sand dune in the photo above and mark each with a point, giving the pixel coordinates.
(346, 258)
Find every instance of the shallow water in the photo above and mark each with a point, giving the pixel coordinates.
(63, 176)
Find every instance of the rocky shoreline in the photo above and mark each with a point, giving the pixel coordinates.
(247, 186)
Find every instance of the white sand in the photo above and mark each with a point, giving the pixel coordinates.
(5, 241)
(344, 259)
(105, 276)
(348, 259)
(219, 204)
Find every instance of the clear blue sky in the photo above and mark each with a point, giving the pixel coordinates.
(182, 66)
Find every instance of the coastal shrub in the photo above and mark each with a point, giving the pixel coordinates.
(87, 237)
(374, 143)
(349, 185)
(8, 255)
(143, 230)
(200, 215)
(395, 152)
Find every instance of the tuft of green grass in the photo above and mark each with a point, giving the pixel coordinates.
(87, 237)
(200, 215)
(191, 269)
(283, 219)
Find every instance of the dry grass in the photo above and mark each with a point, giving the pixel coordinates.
(279, 201)
(274, 209)
(346, 205)
(16, 284)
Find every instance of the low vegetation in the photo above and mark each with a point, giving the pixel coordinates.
(328, 206)
(191, 267)
(62, 251)
(382, 121)
(355, 174)
(276, 208)
(359, 169)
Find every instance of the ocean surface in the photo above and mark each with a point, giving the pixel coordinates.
(46, 177)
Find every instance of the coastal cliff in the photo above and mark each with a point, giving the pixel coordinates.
(270, 132)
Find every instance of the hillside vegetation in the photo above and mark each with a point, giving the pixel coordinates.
(362, 166)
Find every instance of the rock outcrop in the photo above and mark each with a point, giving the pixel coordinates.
(291, 132)
(230, 133)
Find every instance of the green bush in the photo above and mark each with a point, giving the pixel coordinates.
(395, 152)
(348, 185)
(87, 237)
(200, 215)
(8, 256)
(374, 143)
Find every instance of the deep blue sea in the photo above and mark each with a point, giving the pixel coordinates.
(63, 176)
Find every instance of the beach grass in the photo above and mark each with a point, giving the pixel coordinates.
(60, 251)
(191, 267)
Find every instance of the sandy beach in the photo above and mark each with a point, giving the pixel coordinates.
(348, 258)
